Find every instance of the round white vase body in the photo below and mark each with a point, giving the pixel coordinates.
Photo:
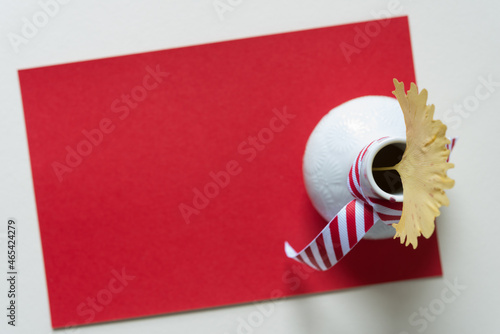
(334, 144)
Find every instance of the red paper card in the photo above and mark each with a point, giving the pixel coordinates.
(168, 181)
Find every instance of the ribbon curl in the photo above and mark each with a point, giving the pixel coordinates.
(352, 222)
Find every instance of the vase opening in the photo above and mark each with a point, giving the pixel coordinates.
(389, 181)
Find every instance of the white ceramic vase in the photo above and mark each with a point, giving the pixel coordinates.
(336, 141)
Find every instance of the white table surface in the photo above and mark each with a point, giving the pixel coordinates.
(455, 45)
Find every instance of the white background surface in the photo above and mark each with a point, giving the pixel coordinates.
(454, 44)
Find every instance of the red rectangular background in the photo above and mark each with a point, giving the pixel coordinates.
(117, 210)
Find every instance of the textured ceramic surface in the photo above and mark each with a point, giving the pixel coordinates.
(334, 144)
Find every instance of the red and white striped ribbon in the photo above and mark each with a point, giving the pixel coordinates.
(451, 145)
(351, 224)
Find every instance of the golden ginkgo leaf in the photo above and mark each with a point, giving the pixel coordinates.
(423, 166)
